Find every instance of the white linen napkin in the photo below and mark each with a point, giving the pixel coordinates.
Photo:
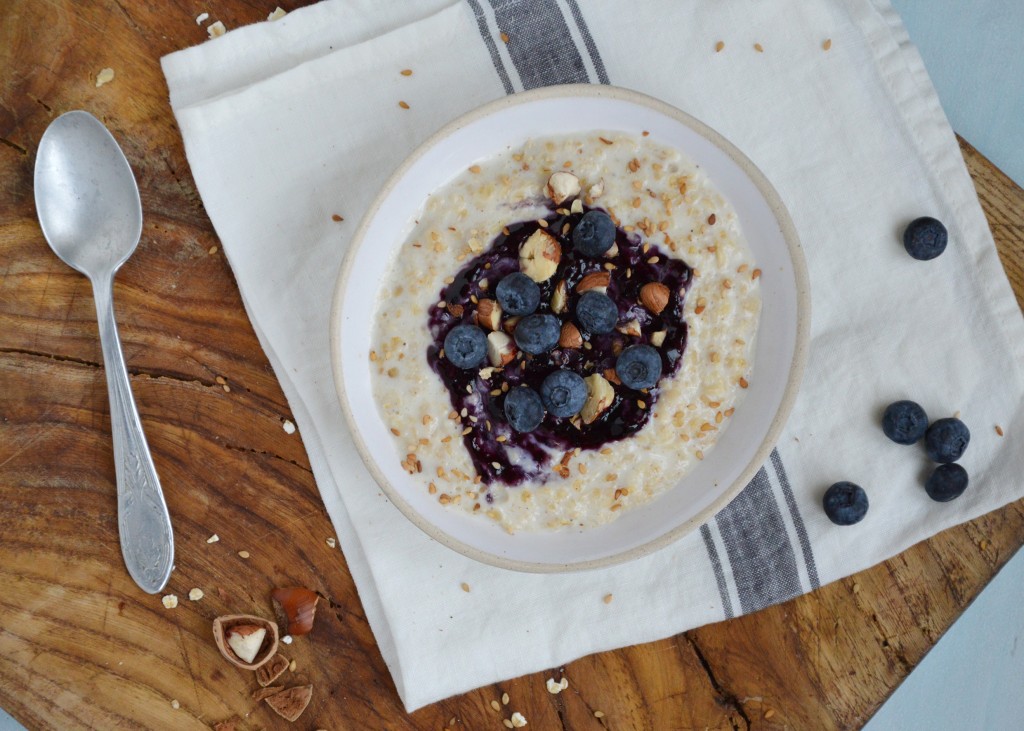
(287, 123)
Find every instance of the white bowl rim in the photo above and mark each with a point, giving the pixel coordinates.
(800, 351)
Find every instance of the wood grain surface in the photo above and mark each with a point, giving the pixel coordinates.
(82, 648)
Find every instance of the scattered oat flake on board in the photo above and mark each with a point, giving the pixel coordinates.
(518, 720)
(201, 18)
(277, 14)
(598, 714)
(331, 542)
(105, 76)
(170, 601)
(243, 554)
(288, 426)
(554, 688)
(495, 705)
(769, 713)
(287, 639)
(216, 29)
(175, 705)
(213, 539)
(504, 699)
(195, 594)
(212, 250)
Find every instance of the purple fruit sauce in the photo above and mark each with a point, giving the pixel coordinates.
(480, 402)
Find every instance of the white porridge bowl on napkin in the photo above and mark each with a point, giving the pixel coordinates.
(365, 289)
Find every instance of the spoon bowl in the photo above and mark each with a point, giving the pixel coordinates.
(91, 215)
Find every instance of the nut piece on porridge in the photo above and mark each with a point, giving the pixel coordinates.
(600, 395)
(562, 186)
(540, 255)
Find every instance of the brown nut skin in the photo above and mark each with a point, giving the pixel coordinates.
(595, 280)
(221, 625)
(654, 296)
(570, 336)
(295, 607)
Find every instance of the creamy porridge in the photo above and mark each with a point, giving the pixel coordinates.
(612, 368)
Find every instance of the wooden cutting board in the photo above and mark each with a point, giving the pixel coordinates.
(82, 648)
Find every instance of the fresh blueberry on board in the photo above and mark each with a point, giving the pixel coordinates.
(925, 238)
(523, 409)
(639, 367)
(946, 440)
(517, 294)
(537, 333)
(563, 393)
(946, 483)
(594, 234)
(905, 422)
(845, 503)
(465, 346)
(597, 313)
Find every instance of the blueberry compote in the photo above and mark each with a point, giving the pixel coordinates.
(479, 401)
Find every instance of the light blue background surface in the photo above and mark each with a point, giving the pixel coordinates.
(974, 52)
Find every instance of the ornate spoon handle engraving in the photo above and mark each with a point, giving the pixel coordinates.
(147, 542)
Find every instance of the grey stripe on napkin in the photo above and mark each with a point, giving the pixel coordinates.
(764, 540)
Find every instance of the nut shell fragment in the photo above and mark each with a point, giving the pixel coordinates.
(289, 704)
(271, 671)
(223, 626)
(295, 607)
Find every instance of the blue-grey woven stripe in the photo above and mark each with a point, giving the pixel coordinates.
(798, 521)
(539, 42)
(588, 41)
(716, 564)
(492, 48)
(762, 560)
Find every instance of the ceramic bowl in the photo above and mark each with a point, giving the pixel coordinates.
(778, 363)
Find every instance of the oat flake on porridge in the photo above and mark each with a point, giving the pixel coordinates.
(668, 207)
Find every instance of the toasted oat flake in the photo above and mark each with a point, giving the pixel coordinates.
(769, 713)
(518, 720)
(216, 30)
(331, 542)
(292, 665)
(556, 687)
(288, 426)
(195, 594)
(170, 601)
(105, 76)
(175, 704)
(504, 699)
(495, 705)
(243, 554)
(598, 714)
(202, 18)
(507, 723)
(277, 14)
(213, 539)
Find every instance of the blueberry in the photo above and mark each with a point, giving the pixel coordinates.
(523, 409)
(597, 313)
(925, 238)
(563, 393)
(845, 503)
(946, 440)
(594, 234)
(904, 422)
(517, 294)
(465, 346)
(638, 366)
(946, 483)
(538, 334)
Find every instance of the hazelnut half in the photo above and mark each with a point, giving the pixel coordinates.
(570, 336)
(295, 607)
(654, 296)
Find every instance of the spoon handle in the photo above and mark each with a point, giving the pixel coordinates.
(147, 541)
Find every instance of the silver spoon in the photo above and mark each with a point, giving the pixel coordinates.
(89, 209)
